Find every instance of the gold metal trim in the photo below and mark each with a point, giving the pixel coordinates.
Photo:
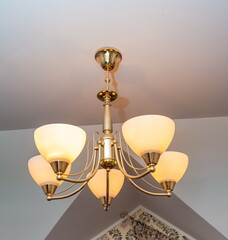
(108, 58)
(59, 166)
(53, 197)
(49, 189)
(168, 186)
(148, 192)
(106, 203)
(89, 176)
(102, 95)
(108, 163)
(151, 159)
(107, 122)
(120, 164)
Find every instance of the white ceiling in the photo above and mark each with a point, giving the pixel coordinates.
(175, 57)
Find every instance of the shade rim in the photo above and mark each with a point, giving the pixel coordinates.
(58, 124)
(181, 153)
(154, 115)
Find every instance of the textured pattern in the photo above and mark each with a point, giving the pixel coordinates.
(142, 226)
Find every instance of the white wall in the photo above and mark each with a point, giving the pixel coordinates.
(25, 213)
(204, 186)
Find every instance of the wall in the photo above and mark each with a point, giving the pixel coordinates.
(204, 186)
(25, 213)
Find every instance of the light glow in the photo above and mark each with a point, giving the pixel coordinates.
(171, 166)
(42, 172)
(97, 184)
(59, 142)
(148, 133)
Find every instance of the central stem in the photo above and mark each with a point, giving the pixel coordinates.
(107, 124)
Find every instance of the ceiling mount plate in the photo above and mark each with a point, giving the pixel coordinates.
(108, 58)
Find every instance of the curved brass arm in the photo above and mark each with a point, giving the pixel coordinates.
(64, 190)
(88, 162)
(168, 194)
(130, 164)
(129, 157)
(122, 169)
(93, 172)
(49, 198)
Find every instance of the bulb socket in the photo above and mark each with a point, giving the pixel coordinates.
(49, 189)
(168, 186)
(59, 166)
(105, 203)
(151, 158)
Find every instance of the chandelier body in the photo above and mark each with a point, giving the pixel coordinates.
(149, 136)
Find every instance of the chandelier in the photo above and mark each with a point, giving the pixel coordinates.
(104, 171)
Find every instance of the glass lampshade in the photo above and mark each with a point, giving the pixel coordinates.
(98, 183)
(42, 172)
(171, 167)
(62, 142)
(148, 133)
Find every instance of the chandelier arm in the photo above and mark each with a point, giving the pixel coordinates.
(96, 157)
(49, 198)
(93, 171)
(131, 164)
(158, 188)
(138, 176)
(94, 139)
(151, 185)
(87, 166)
(135, 170)
(144, 179)
(148, 192)
(122, 168)
(121, 149)
(72, 185)
(79, 173)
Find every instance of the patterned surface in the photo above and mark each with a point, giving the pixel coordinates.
(142, 226)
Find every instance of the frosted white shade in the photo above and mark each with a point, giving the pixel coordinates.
(42, 172)
(60, 142)
(98, 183)
(148, 133)
(171, 166)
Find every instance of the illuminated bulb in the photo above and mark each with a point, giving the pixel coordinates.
(171, 167)
(148, 133)
(42, 173)
(60, 142)
(98, 183)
